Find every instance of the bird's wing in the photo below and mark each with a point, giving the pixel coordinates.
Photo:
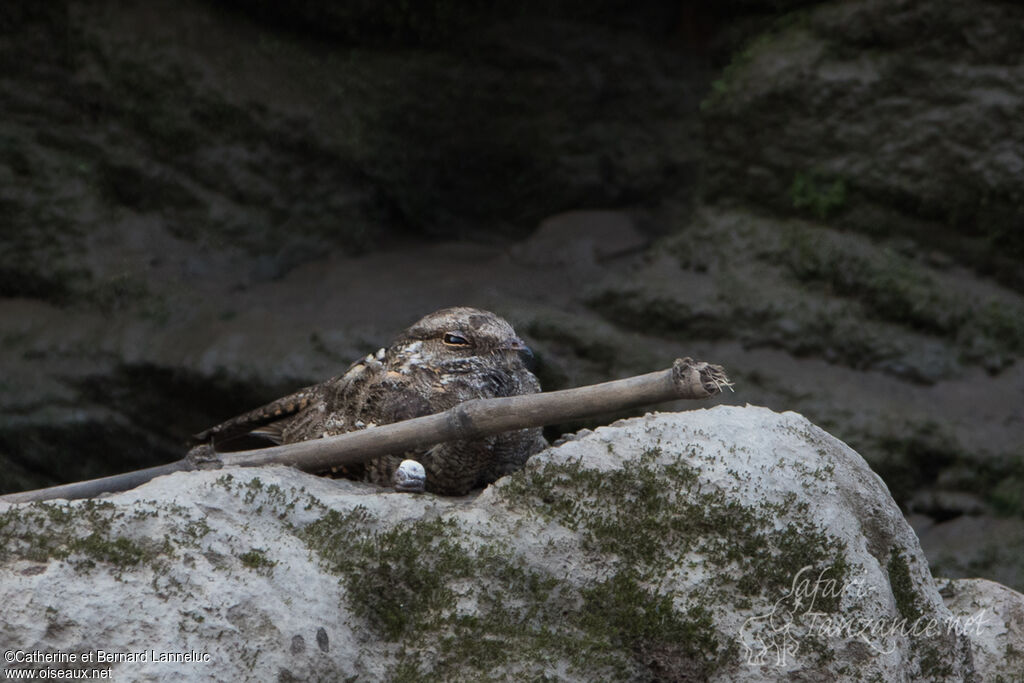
(264, 421)
(305, 405)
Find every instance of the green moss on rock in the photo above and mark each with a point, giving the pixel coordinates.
(816, 195)
(482, 607)
(651, 517)
(621, 612)
(908, 603)
(256, 558)
(86, 535)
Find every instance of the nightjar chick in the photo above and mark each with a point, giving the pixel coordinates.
(448, 357)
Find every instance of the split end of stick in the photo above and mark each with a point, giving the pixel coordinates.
(699, 379)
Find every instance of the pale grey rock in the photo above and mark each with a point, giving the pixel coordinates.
(993, 616)
(663, 547)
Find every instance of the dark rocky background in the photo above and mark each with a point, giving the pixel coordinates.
(206, 204)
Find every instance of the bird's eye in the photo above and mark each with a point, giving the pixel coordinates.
(453, 339)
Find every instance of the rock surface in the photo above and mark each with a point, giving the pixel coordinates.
(723, 544)
(883, 116)
(997, 623)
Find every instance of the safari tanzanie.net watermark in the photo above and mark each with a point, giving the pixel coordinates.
(775, 637)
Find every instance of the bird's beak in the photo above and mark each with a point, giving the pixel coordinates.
(520, 347)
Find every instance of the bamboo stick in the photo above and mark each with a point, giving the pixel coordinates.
(686, 379)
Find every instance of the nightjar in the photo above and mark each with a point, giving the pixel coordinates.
(447, 357)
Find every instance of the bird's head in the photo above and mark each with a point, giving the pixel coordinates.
(463, 333)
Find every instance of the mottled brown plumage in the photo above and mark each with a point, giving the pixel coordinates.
(448, 357)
